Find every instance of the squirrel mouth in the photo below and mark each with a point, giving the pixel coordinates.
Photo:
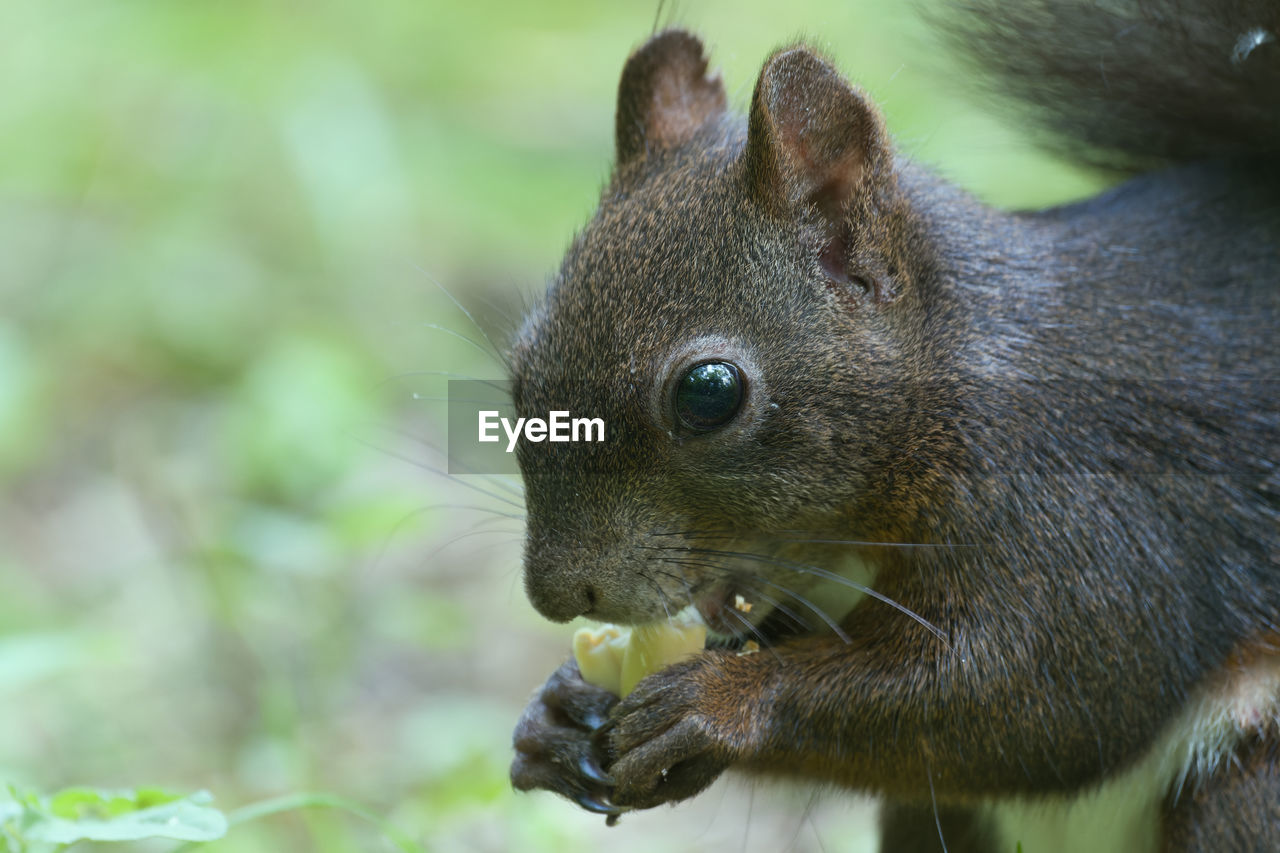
(735, 619)
(731, 617)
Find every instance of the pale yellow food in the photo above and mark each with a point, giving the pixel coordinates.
(599, 654)
(616, 658)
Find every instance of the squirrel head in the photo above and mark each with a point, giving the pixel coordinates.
(739, 311)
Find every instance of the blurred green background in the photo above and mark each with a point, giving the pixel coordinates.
(226, 561)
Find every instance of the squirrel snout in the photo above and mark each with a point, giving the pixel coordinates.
(557, 597)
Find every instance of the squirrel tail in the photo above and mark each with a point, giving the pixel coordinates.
(1132, 84)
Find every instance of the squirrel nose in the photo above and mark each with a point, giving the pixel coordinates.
(557, 596)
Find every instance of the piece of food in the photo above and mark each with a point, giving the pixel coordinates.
(599, 654)
(616, 658)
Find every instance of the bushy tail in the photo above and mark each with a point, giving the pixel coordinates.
(1133, 84)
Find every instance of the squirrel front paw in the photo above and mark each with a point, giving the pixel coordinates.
(670, 738)
(559, 741)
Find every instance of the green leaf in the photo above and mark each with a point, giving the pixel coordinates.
(87, 814)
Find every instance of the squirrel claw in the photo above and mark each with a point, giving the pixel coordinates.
(598, 806)
(593, 721)
(600, 734)
(588, 767)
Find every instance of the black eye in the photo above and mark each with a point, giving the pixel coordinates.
(709, 395)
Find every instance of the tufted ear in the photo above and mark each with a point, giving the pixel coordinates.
(812, 138)
(665, 95)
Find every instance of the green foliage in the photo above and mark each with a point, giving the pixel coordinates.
(34, 823)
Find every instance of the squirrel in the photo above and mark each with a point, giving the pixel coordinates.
(1002, 488)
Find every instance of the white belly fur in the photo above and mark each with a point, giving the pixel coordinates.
(1122, 814)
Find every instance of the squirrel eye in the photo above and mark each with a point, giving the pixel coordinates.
(709, 396)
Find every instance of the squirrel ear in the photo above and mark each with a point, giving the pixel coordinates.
(812, 138)
(665, 95)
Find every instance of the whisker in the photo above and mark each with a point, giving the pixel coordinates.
(937, 820)
(506, 485)
(512, 538)
(441, 398)
(721, 534)
(799, 599)
(500, 310)
(761, 640)
(749, 581)
(738, 634)
(662, 595)
(684, 581)
(502, 359)
(806, 819)
(818, 571)
(437, 327)
(385, 545)
(689, 593)
(432, 469)
(446, 374)
(799, 621)
(470, 533)
(867, 543)
(471, 507)
(862, 543)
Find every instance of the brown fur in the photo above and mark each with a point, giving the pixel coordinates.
(1054, 436)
